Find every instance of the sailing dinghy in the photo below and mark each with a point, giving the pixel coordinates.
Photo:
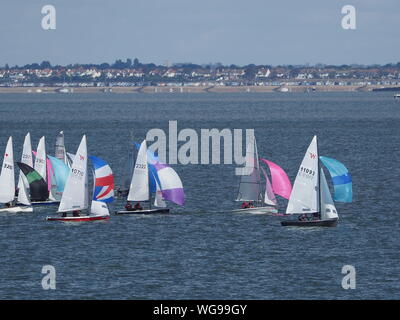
(75, 196)
(311, 198)
(250, 187)
(152, 176)
(7, 183)
(42, 165)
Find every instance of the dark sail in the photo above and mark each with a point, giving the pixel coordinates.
(37, 185)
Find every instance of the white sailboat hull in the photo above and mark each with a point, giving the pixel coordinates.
(80, 218)
(258, 210)
(17, 209)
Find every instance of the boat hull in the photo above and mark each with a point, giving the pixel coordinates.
(311, 223)
(143, 211)
(258, 210)
(45, 203)
(17, 209)
(78, 219)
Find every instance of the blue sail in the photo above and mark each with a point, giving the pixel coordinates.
(341, 178)
(61, 172)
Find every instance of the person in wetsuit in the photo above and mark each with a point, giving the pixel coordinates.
(128, 206)
(137, 206)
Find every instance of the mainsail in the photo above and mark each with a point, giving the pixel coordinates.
(7, 183)
(139, 187)
(75, 193)
(40, 160)
(37, 186)
(60, 152)
(23, 185)
(305, 194)
(250, 181)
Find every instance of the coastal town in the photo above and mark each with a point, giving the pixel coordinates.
(132, 75)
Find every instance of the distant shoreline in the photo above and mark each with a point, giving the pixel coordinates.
(192, 89)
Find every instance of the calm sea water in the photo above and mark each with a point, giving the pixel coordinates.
(202, 250)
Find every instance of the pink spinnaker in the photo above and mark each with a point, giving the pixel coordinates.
(280, 181)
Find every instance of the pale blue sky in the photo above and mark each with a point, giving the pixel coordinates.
(200, 31)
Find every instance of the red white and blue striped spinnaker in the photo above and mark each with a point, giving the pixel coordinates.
(104, 181)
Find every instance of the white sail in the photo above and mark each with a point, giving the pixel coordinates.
(99, 208)
(40, 160)
(7, 183)
(269, 196)
(328, 209)
(23, 185)
(250, 180)
(159, 200)
(139, 188)
(74, 196)
(305, 194)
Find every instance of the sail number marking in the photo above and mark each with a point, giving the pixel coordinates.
(140, 166)
(77, 173)
(306, 173)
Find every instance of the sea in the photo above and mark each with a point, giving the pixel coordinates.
(203, 250)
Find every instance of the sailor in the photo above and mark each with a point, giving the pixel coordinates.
(245, 205)
(128, 206)
(137, 206)
(251, 205)
(316, 216)
(303, 217)
(76, 213)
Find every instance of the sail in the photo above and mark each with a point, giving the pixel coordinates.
(60, 152)
(74, 197)
(269, 196)
(61, 173)
(341, 178)
(7, 183)
(170, 184)
(305, 194)
(99, 208)
(139, 188)
(51, 181)
(40, 160)
(37, 186)
(280, 181)
(23, 185)
(159, 201)
(103, 182)
(328, 209)
(250, 180)
(164, 178)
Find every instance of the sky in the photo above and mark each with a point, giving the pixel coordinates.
(200, 31)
